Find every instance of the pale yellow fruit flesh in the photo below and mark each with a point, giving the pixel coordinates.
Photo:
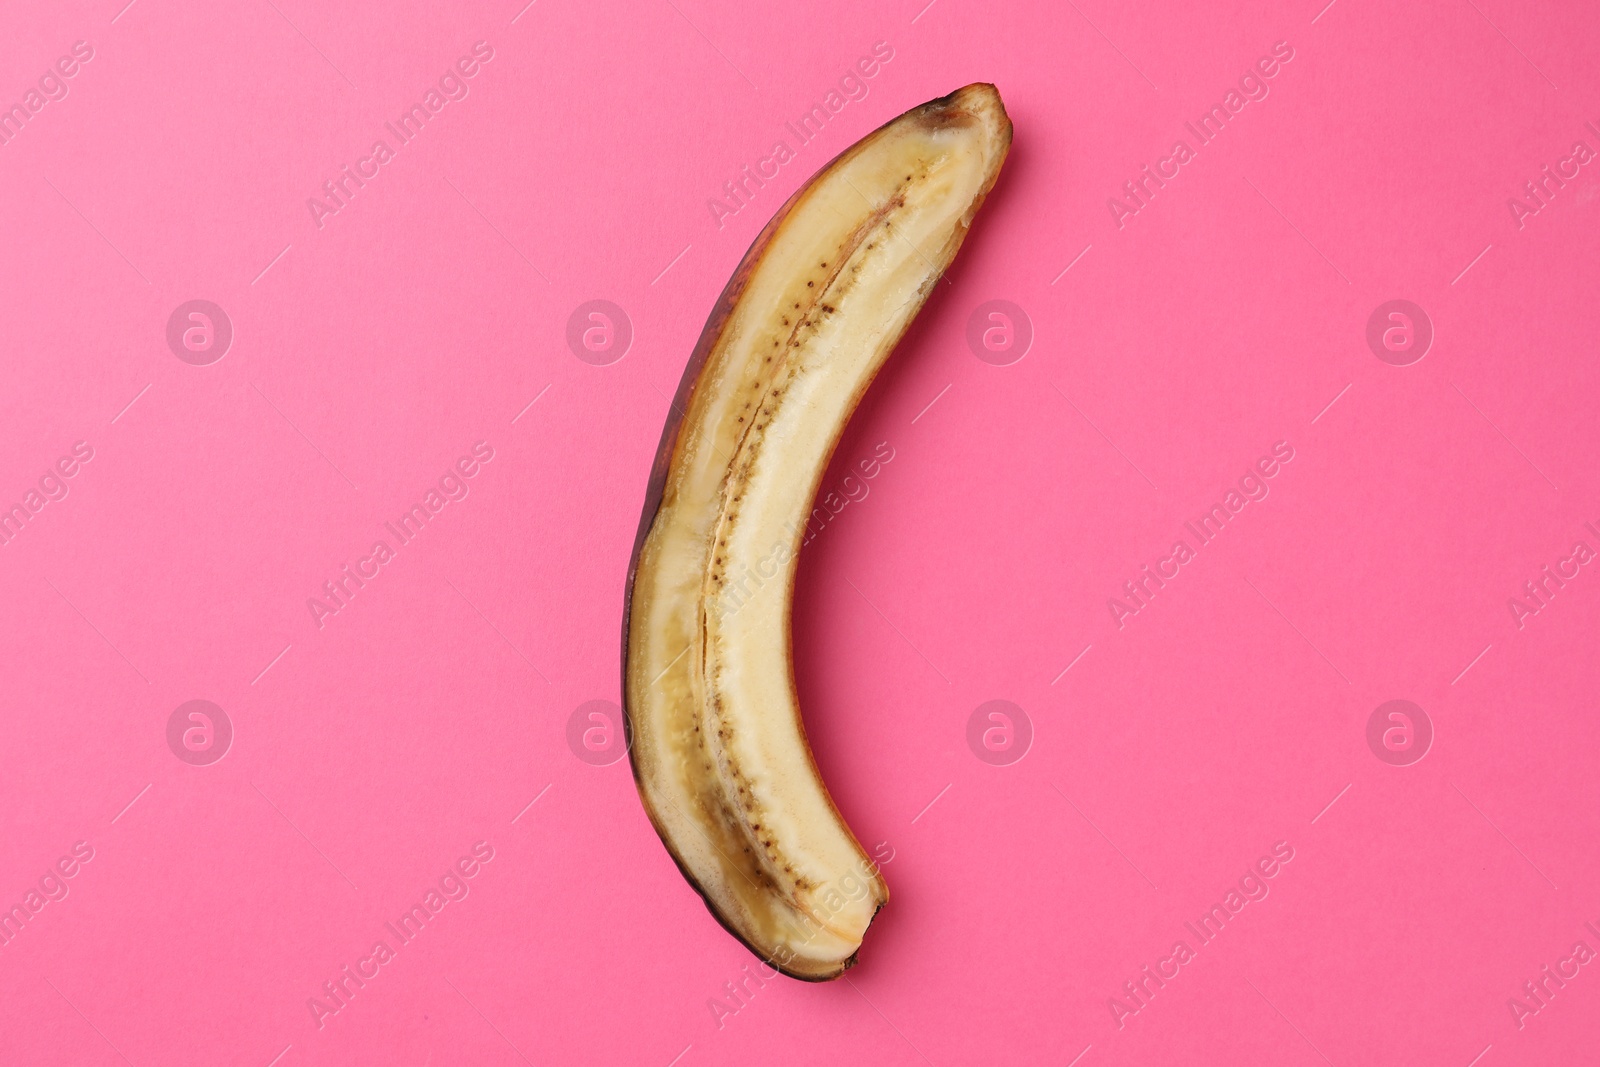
(718, 747)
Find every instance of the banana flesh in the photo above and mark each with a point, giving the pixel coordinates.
(718, 746)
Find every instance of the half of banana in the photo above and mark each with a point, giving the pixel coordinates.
(810, 315)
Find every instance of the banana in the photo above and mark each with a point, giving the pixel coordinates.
(814, 309)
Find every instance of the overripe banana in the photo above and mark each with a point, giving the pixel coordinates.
(813, 310)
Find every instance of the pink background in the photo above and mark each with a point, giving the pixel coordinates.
(1229, 714)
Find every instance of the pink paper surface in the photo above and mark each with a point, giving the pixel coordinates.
(1169, 742)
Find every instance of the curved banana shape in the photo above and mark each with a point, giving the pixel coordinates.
(816, 306)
